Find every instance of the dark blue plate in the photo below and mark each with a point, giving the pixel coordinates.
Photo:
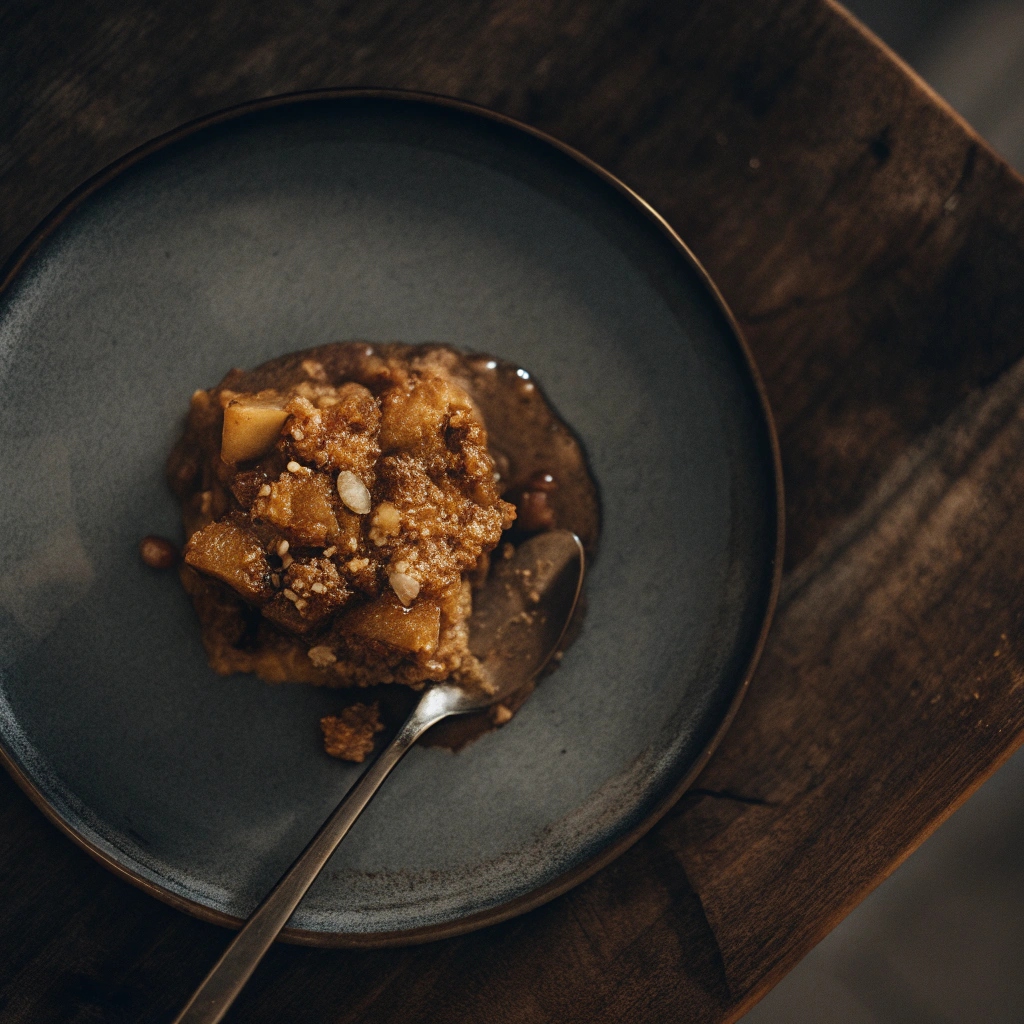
(304, 220)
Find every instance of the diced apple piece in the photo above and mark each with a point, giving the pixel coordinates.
(233, 555)
(414, 417)
(386, 522)
(414, 629)
(302, 506)
(252, 423)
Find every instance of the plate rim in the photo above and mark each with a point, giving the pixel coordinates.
(581, 872)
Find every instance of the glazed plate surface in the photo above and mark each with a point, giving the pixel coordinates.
(304, 221)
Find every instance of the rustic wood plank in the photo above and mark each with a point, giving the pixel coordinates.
(916, 604)
(874, 251)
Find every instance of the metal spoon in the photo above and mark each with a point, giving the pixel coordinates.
(519, 618)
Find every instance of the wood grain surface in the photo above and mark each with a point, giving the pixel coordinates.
(873, 250)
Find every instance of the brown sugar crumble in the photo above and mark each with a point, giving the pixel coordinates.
(348, 513)
(349, 734)
(341, 503)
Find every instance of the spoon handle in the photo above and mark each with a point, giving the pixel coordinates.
(212, 999)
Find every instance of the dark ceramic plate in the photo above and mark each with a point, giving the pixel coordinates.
(306, 220)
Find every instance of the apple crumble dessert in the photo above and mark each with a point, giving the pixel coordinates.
(340, 503)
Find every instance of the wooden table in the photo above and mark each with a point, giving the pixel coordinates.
(873, 250)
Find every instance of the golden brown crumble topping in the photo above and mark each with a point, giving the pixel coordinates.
(334, 519)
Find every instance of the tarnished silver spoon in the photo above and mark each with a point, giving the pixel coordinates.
(519, 618)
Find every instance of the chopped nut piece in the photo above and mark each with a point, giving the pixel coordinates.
(353, 492)
(405, 587)
(321, 656)
(282, 548)
(293, 467)
(500, 714)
